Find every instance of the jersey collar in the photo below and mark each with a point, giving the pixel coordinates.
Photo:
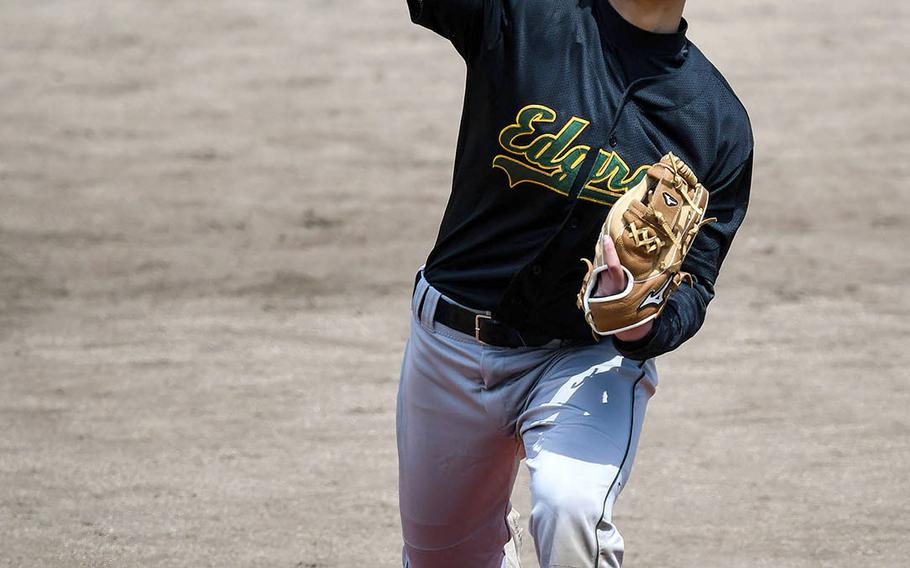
(625, 35)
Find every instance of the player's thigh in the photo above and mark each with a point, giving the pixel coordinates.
(589, 393)
(580, 431)
(456, 464)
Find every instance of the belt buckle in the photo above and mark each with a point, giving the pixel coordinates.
(477, 319)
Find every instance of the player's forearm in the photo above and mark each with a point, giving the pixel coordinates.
(681, 319)
(687, 307)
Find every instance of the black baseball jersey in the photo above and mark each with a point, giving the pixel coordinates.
(566, 105)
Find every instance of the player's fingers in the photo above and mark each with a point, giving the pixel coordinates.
(613, 279)
(611, 259)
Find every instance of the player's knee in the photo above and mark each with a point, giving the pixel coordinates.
(565, 503)
(571, 522)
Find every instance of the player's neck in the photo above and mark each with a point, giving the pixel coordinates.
(660, 16)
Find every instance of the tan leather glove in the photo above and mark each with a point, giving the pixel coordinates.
(652, 226)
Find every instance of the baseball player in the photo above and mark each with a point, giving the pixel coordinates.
(568, 106)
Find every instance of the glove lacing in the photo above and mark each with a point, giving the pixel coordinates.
(652, 243)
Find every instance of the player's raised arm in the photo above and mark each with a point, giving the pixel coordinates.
(463, 22)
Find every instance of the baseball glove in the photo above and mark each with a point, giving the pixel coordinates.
(652, 227)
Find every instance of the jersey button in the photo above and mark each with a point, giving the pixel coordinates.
(536, 270)
(573, 223)
(613, 140)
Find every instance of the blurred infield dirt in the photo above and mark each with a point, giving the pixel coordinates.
(210, 215)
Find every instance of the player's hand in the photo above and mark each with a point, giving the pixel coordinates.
(613, 280)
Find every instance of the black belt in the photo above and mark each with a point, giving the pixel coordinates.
(484, 328)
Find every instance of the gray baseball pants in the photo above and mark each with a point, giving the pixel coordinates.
(468, 413)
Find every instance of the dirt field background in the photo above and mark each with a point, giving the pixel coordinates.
(210, 213)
